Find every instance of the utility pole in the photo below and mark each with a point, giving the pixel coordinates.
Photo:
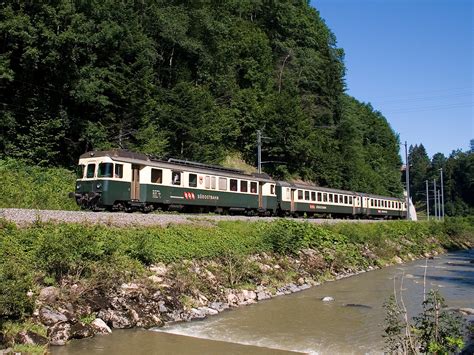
(442, 194)
(439, 206)
(259, 151)
(434, 191)
(407, 178)
(427, 201)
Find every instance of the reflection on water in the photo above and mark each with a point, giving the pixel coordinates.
(301, 322)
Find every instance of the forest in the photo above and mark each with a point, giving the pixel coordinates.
(458, 180)
(192, 80)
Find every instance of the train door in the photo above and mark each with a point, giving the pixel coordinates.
(292, 197)
(260, 196)
(135, 187)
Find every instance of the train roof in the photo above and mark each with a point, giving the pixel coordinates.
(143, 159)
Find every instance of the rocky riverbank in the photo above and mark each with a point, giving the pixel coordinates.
(175, 292)
(102, 278)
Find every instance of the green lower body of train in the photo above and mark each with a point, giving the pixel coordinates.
(115, 195)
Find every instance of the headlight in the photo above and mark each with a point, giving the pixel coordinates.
(78, 187)
(99, 185)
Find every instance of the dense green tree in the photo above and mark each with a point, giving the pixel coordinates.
(420, 165)
(193, 80)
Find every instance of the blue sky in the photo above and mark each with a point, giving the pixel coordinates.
(413, 61)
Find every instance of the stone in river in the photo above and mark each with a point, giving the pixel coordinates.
(327, 299)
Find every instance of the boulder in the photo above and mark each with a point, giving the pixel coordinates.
(129, 287)
(118, 319)
(232, 299)
(264, 268)
(100, 326)
(81, 330)
(159, 269)
(327, 299)
(249, 295)
(155, 278)
(51, 317)
(208, 311)
(162, 307)
(30, 338)
(263, 295)
(59, 333)
(219, 306)
(48, 294)
(198, 313)
(293, 288)
(396, 259)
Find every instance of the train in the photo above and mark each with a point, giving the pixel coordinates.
(121, 180)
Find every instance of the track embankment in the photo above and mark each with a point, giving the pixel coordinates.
(63, 281)
(24, 217)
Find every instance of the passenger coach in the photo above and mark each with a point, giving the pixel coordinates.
(302, 199)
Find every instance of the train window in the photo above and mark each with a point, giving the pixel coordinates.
(244, 186)
(207, 182)
(330, 197)
(80, 171)
(300, 194)
(371, 202)
(213, 182)
(325, 197)
(176, 177)
(350, 200)
(288, 193)
(118, 172)
(306, 195)
(90, 171)
(193, 180)
(156, 176)
(272, 189)
(313, 196)
(222, 183)
(346, 200)
(320, 197)
(233, 185)
(253, 187)
(105, 170)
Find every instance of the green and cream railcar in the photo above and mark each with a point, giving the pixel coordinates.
(301, 199)
(123, 180)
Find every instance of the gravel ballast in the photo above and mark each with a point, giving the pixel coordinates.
(24, 217)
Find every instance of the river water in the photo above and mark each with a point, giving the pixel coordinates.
(301, 322)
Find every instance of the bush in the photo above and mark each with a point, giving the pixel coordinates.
(16, 278)
(27, 186)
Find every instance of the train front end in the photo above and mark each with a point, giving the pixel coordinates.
(99, 182)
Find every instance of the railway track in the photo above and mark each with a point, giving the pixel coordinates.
(24, 217)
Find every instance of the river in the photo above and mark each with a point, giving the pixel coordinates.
(301, 322)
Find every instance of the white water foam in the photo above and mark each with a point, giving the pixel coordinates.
(210, 330)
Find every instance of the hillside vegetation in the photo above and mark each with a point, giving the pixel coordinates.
(191, 80)
(24, 186)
